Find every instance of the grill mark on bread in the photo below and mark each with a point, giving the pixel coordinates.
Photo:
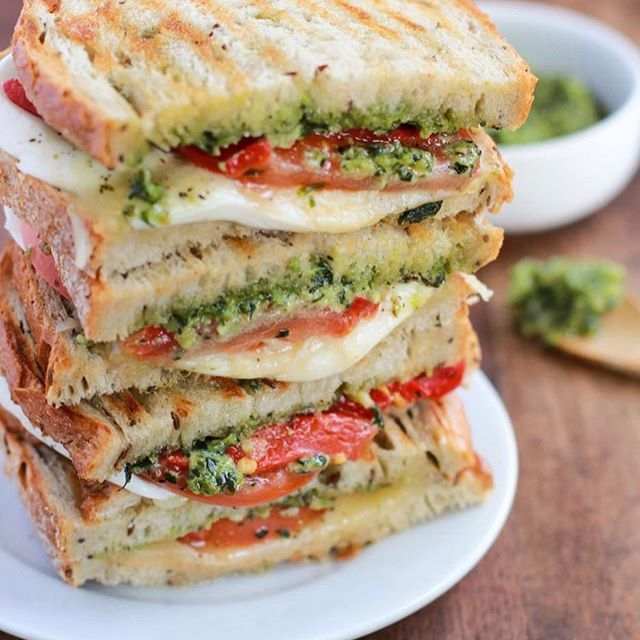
(367, 20)
(199, 41)
(418, 32)
(400, 18)
(82, 28)
(225, 21)
(430, 14)
(92, 497)
(345, 27)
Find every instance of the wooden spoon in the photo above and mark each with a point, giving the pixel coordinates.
(616, 345)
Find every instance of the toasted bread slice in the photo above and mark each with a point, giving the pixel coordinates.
(112, 77)
(423, 465)
(114, 305)
(108, 431)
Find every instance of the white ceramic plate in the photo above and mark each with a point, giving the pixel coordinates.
(327, 601)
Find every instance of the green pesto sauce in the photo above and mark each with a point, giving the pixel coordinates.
(561, 297)
(562, 106)
(147, 200)
(213, 472)
(315, 283)
(289, 124)
(390, 162)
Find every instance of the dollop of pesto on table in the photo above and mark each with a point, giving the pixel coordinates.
(559, 296)
(562, 106)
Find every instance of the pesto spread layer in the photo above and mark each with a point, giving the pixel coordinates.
(290, 124)
(314, 283)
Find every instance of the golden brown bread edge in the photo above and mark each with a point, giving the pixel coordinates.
(76, 519)
(113, 137)
(104, 434)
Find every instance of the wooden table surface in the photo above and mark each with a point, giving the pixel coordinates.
(567, 565)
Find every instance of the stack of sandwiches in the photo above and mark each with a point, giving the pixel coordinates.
(234, 304)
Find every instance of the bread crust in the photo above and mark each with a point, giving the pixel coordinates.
(52, 526)
(93, 443)
(526, 81)
(65, 108)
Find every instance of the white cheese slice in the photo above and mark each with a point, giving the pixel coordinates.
(12, 227)
(136, 485)
(193, 194)
(319, 356)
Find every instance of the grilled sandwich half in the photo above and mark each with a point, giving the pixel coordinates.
(421, 464)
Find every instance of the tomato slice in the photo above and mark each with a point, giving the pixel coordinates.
(329, 433)
(298, 329)
(42, 259)
(442, 381)
(225, 533)
(14, 90)
(257, 489)
(255, 161)
(250, 154)
(406, 135)
(157, 342)
(151, 342)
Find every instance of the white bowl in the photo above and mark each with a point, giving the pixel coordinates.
(562, 180)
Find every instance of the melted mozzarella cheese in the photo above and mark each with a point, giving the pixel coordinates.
(135, 485)
(193, 194)
(319, 356)
(12, 227)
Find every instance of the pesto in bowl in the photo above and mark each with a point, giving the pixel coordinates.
(562, 105)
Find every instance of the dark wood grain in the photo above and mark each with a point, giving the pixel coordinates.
(567, 565)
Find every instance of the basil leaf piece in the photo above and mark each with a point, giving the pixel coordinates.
(424, 211)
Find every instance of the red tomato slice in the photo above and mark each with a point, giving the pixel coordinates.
(156, 342)
(42, 259)
(442, 381)
(255, 161)
(298, 329)
(151, 342)
(14, 90)
(329, 433)
(250, 154)
(256, 490)
(225, 533)
(174, 461)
